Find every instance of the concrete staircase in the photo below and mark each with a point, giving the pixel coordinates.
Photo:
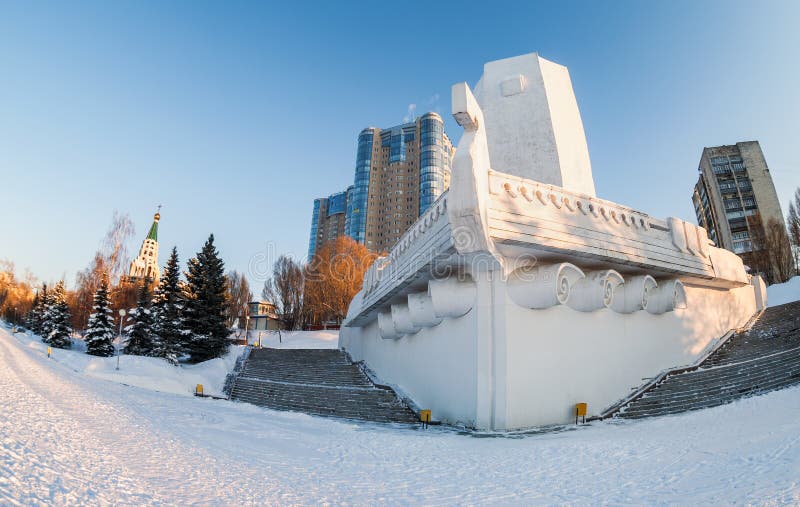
(318, 382)
(762, 359)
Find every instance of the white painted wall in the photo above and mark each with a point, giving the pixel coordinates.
(504, 367)
(557, 357)
(436, 367)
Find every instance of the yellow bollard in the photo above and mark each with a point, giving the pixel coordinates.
(425, 417)
(198, 390)
(580, 411)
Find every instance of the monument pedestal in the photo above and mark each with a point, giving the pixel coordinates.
(513, 298)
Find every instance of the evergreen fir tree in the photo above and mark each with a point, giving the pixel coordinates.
(206, 304)
(167, 306)
(57, 318)
(141, 330)
(43, 322)
(31, 320)
(100, 328)
(188, 296)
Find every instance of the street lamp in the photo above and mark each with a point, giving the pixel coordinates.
(122, 313)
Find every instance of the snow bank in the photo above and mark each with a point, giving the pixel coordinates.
(782, 293)
(157, 375)
(146, 372)
(296, 339)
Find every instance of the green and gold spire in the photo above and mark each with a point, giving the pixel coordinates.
(153, 234)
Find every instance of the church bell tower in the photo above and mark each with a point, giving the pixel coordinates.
(145, 266)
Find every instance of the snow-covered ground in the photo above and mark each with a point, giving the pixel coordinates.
(782, 293)
(295, 339)
(158, 375)
(147, 372)
(72, 438)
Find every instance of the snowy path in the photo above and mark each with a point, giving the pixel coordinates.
(66, 443)
(67, 439)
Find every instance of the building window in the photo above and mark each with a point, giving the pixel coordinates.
(731, 204)
(742, 246)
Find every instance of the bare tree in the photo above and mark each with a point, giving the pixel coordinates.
(793, 226)
(124, 297)
(285, 291)
(110, 260)
(7, 280)
(771, 254)
(114, 247)
(238, 296)
(87, 283)
(16, 296)
(333, 277)
(780, 251)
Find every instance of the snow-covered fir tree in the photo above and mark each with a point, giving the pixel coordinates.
(42, 324)
(30, 319)
(206, 305)
(99, 336)
(141, 326)
(167, 306)
(57, 318)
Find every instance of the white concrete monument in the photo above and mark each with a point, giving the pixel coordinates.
(519, 293)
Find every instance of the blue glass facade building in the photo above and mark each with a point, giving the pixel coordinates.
(400, 171)
(357, 206)
(312, 241)
(328, 219)
(337, 203)
(434, 160)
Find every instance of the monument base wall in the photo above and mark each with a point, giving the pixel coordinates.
(504, 367)
(557, 357)
(435, 367)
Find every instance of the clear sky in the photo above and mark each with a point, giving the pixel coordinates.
(236, 115)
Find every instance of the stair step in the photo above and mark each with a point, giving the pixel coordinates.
(637, 412)
(763, 359)
(317, 382)
(678, 388)
(732, 394)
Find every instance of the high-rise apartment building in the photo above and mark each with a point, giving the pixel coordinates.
(328, 219)
(400, 172)
(734, 197)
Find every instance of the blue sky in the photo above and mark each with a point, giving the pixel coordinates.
(236, 115)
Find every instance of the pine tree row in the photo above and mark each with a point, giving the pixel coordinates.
(183, 319)
(180, 320)
(49, 317)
